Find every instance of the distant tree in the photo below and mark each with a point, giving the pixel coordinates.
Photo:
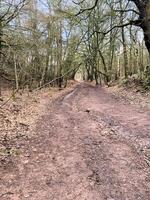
(8, 12)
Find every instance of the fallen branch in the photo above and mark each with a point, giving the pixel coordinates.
(55, 79)
(102, 73)
(14, 92)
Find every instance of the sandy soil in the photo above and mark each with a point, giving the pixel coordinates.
(87, 145)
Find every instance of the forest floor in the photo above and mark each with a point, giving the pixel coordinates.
(84, 143)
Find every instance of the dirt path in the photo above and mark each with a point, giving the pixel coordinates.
(88, 146)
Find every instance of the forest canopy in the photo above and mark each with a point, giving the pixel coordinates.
(50, 41)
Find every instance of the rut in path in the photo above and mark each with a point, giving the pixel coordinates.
(88, 146)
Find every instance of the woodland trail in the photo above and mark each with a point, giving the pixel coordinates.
(88, 146)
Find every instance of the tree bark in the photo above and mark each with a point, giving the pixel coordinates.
(144, 20)
(124, 53)
(1, 34)
(16, 73)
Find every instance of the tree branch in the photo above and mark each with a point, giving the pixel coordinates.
(87, 9)
(20, 5)
(129, 10)
(78, 3)
(135, 23)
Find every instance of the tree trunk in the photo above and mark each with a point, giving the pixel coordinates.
(1, 34)
(144, 20)
(105, 67)
(125, 54)
(16, 73)
(146, 27)
(147, 36)
(59, 55)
